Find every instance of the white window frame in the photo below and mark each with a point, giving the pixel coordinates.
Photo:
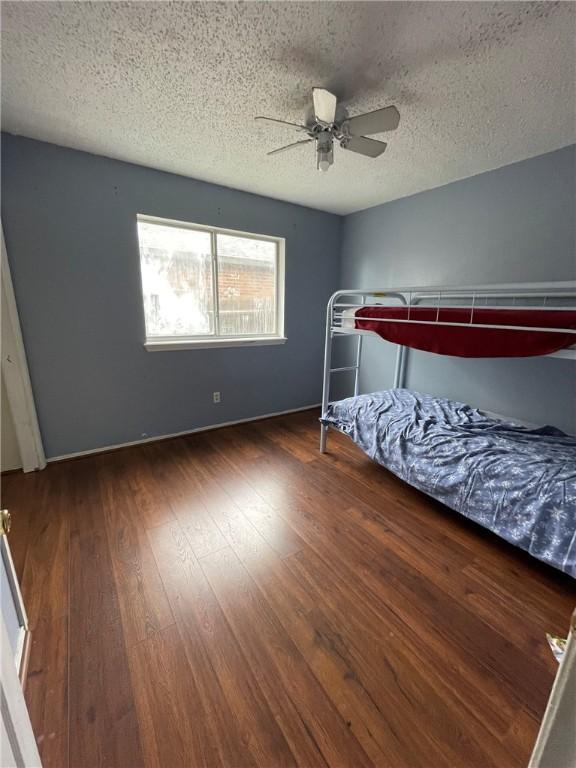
(170, 343)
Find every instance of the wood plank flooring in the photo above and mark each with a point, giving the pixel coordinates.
(236, 599)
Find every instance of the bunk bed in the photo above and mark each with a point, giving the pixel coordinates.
(517, 480)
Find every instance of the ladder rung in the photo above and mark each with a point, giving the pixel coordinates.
(346, 368)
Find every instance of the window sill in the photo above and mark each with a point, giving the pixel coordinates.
(169, 346)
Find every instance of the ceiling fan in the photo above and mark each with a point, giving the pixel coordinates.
(350, 132)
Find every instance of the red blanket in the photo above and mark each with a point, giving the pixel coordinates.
(472, 340)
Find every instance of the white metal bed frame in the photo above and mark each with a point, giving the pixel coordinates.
(343, 305)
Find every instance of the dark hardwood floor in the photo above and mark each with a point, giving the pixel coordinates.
(235, 599)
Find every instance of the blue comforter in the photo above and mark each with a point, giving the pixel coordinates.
(517, 481)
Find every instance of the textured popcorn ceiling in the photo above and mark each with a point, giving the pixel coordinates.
(175, 86)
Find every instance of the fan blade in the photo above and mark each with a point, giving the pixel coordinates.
(364, 146)
(282, 122)
(324, 105)
(289, 146)
(380, 120)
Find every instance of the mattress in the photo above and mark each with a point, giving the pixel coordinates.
(467, 332)
(518, 481)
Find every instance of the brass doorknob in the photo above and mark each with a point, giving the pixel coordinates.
(5, 522)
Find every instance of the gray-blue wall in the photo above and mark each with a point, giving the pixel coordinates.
(515, 224)
(70, 226)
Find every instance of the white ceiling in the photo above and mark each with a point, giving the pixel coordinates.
(175, 86)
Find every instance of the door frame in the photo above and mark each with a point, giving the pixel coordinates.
(16, 375)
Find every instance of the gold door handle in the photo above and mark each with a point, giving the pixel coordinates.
(5, 522)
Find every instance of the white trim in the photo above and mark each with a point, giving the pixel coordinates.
(222, 343)
(185, 432)
(215, 285)
(205, 228)
(17, 377)
(280, 286)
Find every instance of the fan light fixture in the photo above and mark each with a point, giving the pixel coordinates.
(349, 132)
(324, 150)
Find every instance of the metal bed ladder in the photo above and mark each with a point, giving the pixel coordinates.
(332, 331)
(328, 370)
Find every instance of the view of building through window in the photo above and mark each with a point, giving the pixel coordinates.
(185, 296)
(246, 286)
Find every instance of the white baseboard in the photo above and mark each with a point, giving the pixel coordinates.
(157, 438)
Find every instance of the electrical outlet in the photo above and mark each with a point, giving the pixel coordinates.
(216, 397)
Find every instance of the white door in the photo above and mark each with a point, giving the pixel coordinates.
(18, 746)
(556, 743)
(17, 743)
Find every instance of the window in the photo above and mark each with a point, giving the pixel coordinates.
(204, 286)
